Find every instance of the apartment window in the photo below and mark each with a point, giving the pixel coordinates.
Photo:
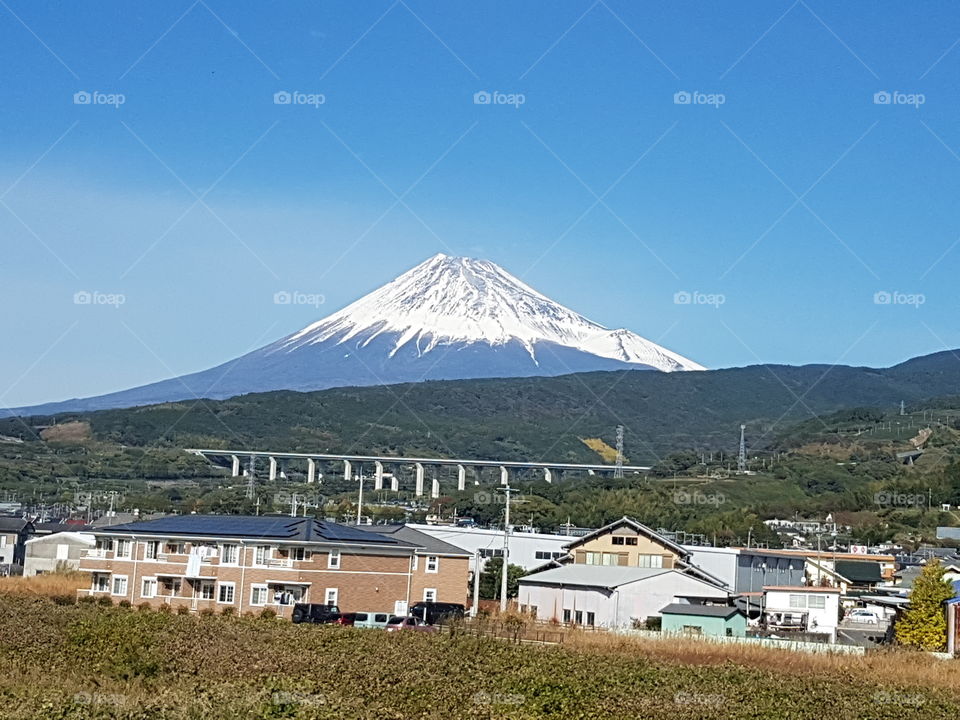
(798, 601)
(101, 582)
(148, 588)
(631, 541)
(650, 561)
(299, 553)
(332, 596)
(333, 562)
(229, 554)
(206, 591)
(119, 585)
(429, 594)
(578, 617)
(433, 564)
(258, 594)
(566, 615)
(176, 548)
(261, 554)
(152, 550)
(102, 544)
(225, 592)
(816, 602)
(591, 617)
(692, 630)
(491, 552)
(616, 540)
(123, 549)
(171, 587)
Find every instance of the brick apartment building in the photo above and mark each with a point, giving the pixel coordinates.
(250, 563)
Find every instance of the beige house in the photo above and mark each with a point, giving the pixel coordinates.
(628, 543)
(251, 563)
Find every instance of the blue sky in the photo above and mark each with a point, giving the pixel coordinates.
(782, 189)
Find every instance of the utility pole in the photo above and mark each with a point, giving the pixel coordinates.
(476, 583)
(506, 550)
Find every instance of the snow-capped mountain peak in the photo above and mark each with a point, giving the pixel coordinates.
(455, 300)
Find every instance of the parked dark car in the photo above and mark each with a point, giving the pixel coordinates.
(315, 613)
(433, 612)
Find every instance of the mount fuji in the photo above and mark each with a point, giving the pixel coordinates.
(448, 318)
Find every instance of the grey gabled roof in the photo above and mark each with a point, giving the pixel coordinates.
(427, 543)
(720, 611)
(12, 524)
(640, 528)
(603, 576)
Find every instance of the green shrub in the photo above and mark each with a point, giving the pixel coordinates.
(183, 610)
(165, 609)
(126, 604)
(144, 607)
(87, 600)
(207, 612)
(228, 612)
(104, 601)
(268, 614)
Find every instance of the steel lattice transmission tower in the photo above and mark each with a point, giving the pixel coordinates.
(742, 456)
(618, 471)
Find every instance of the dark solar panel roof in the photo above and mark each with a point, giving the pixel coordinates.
(275, 527)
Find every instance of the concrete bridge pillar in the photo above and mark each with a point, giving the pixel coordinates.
(419, 490)
(435, 488)
(235, 469)
(461, 478)
(504, 476)
(378, 475)
(347, 470)
(311, 470)
(273, 468)
(547, 475)
(394, 482)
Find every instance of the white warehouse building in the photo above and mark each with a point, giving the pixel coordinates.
(611, 596)
(528, 550)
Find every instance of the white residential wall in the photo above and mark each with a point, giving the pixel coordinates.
(523, 546)
(823, 620)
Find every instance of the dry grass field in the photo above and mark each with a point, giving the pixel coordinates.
(87, 661)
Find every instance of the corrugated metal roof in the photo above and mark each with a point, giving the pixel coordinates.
(605, 576)
(274, 527)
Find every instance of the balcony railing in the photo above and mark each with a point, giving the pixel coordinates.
(98, 553)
